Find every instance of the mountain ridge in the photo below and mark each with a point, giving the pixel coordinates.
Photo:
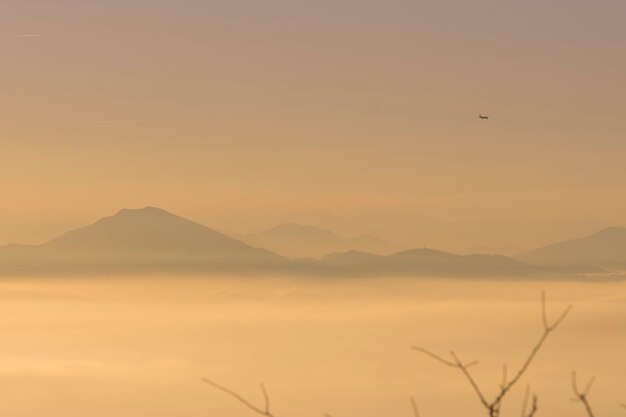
(296, 240)
(605, 248)
(434, 262)
(156, 241)
(146, 235)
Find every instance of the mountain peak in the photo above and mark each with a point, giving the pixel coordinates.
(148, 210)
(612, 231)
(151, 230)
(605, 248)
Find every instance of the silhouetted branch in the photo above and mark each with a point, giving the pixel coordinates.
(265, 411)
(582, 395)
(493, 407)
(533, 407)
(416, 412)
(261, 411)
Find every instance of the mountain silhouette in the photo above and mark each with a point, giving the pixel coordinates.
(138, 238)
(297, 241)
(150, 231)
(606, 248)
(431, 262)
(435, 257)
(152, 241)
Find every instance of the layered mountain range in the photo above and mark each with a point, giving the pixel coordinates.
(152, 240)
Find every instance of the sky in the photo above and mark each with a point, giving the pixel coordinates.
(242, 113)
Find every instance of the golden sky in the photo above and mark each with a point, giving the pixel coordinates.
(241, 113)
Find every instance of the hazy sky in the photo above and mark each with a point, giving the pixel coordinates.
(345, 106)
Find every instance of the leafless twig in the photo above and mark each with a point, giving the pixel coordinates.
(265, 411)
(416, 412)
(533, 407)
(493, 406)
(582, 395)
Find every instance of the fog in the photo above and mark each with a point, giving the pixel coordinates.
(129, 346)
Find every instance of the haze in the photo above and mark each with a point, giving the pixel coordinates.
(244, 115)
(139, 347)
(295, 192)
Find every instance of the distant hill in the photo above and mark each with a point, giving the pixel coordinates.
(138, 238)
(430, 262)
(296, 241)
(606, 248)
(434, 257)
(151, 241)
(150, 231)
(494, 250)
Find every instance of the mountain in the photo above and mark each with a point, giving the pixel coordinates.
(138, 238)
(150, 231)
(153, 241)
(606, 248)
(435, 257)
(430, 262)
(297, 241)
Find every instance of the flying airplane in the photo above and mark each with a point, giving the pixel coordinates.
(480, 116)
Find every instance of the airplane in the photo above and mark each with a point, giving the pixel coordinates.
(480, 116)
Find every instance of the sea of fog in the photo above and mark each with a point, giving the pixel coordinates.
(136, 347)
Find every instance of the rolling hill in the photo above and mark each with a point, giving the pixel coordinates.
(299, 241)
(135, 239)
(151, 240)
(606, 249)
(150, 231)
(430, 262)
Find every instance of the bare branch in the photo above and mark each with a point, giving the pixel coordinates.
(470, 379)
(434, 356)
(525, 403)
(416, 412)
(493, 407)
(533, 407)
(582, 395)
(267, 399)
(548, 329)
(263, 412)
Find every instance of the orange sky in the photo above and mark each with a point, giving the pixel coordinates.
(242, 113)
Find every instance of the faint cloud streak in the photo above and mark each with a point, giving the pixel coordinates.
(25, 36)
